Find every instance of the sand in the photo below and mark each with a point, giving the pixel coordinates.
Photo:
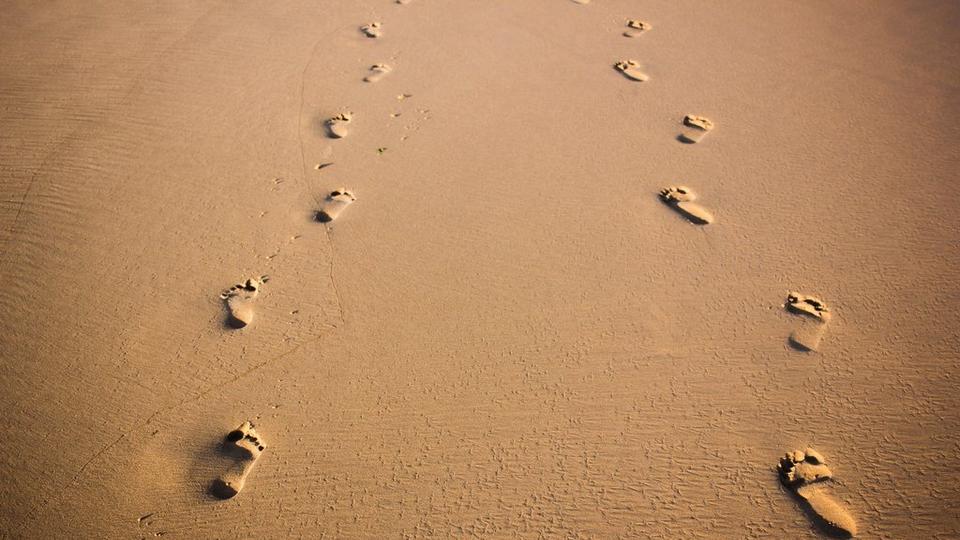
(508, 334)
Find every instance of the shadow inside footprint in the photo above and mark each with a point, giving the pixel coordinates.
(218, 489)
(797, 346)
(807, 337)
(233, 323)
(818, 521)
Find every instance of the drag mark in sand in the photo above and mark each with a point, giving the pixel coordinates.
(303, 168)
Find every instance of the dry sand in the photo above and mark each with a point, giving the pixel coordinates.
(507, 334)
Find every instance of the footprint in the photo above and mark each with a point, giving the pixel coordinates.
(339, 126)
(681, 198)
(636, 27)
(805, 473)
(371, 30)
(816, 316)
(404, 2)
(581, 2)
(335, 203)
(244, 446)
(631, 70)
(240, 299)
(377, 72)
(699, 128)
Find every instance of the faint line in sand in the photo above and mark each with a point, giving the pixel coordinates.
(57, 146)
(76, 477)
(303, 164)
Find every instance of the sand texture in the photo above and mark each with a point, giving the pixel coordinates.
(503, 331)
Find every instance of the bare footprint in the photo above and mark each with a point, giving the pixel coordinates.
(338, 127)
(581, 2)
(805, 473)
(244, 446)
(404, 2)
(681, 198)
(631, 70)
(335, 203)
(698, 128)
(240, 299)
(636, 27)
(816, 317)
(377, 72)
(371, 30)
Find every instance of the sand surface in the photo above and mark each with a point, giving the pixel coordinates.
(508, 334)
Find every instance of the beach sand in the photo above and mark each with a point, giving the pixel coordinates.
(507, 334)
